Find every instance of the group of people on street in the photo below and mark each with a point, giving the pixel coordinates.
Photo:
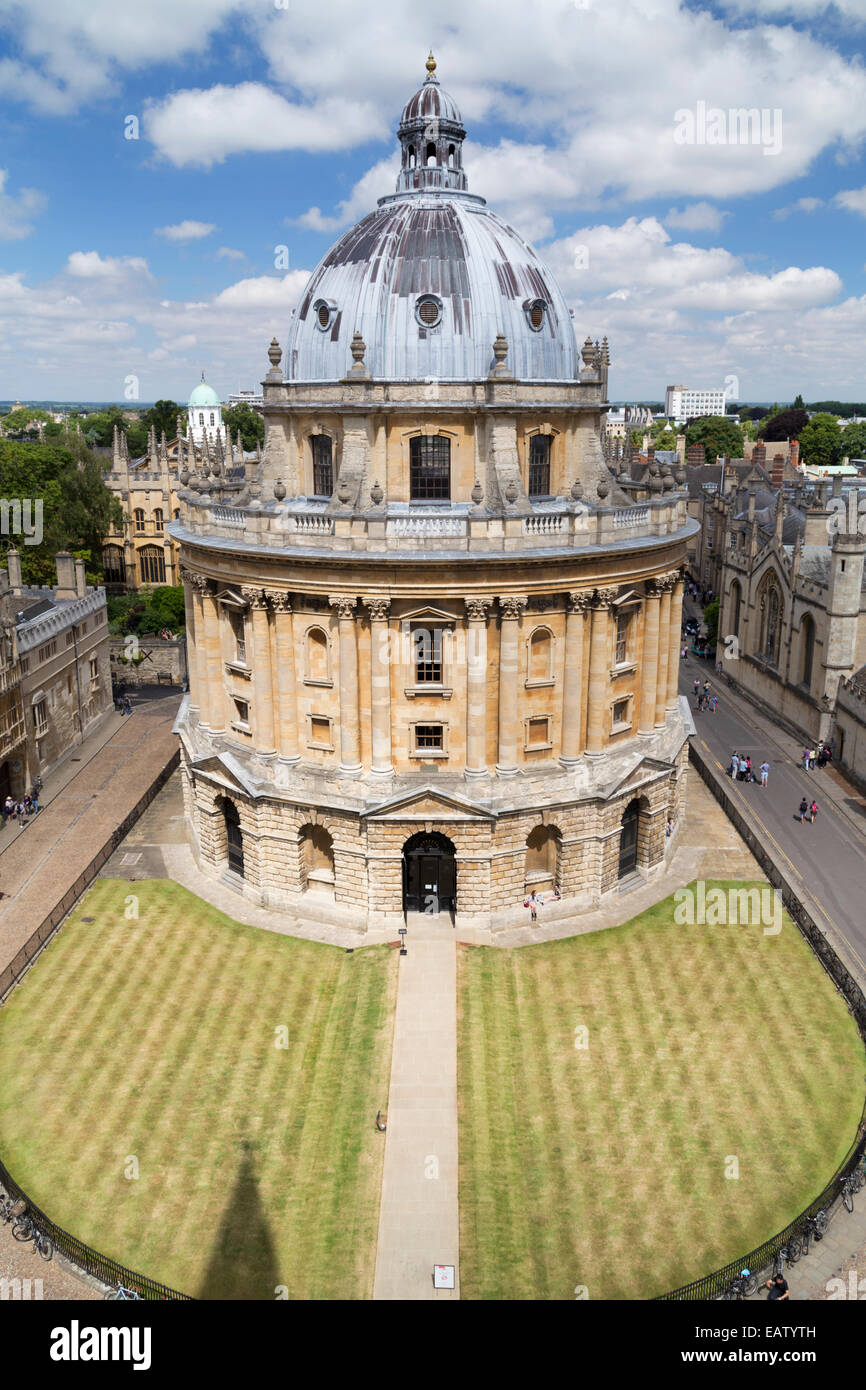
(740, 769)
(817, 757)
(704, 698)
(20, 811)
(809, 809)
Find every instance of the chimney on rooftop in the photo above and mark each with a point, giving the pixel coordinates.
(80, 579)
(65, 563)
(777, 472)
(13, 561)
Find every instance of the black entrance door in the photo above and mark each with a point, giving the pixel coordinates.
(235, 839)
(429, 874)
(628, 840)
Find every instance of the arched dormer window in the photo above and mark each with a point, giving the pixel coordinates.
(430, 157)
(158, 520)
(411, 156)
(452, 157)
(539, 465)
(138, 515)
(430, 468)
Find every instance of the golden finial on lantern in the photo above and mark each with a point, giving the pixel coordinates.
(431, 63)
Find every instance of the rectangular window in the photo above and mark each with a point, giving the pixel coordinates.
(621, 638)
(323, 466)
(40, 716)
(427, 651)
(242, 709)
(538, 732)
(94, 668)
(70, 637)
(428, 736)
(539, 465)
(430, 468)
(620, 714)
(69, 682)
(239, 630)
(320, 731)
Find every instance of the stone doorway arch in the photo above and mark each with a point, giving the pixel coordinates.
(429, 874)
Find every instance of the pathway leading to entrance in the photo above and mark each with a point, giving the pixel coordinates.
(418, 1217)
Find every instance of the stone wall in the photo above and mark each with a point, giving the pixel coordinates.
(164, 662)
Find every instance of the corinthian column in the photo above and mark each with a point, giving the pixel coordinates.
(572, 678)
(650, 664)
(599, 672)
(263, 689)
(511, 606)
(350, 723)
(213, 661)
(186, 579)
(676, 623)
(665, 584)
(380, 683)
(476, 687)
(285, 690)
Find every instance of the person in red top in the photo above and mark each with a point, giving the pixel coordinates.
(813, 811)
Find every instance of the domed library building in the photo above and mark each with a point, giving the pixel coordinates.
(433, 639)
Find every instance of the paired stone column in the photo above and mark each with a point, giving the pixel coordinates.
(599, 672)
(676, 622)
(511, 607)
(199, 586)
(187, 580)
(650, 664)
(380, 684)
(285, 689)
(572, 679)
(350, 721)
(213, 661)
(263, 688)
(665, 584)
(476, 687)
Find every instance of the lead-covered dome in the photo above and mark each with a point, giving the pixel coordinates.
(432, 277)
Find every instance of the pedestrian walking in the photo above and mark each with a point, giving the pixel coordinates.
(714, 703)
(765, 773)
(813, 811)
(697, 688)
(749, 777)
(811, 759)
(127, 705)
(804, 810)
(805, 760)
(735, 766)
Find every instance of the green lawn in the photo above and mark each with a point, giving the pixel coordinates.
(152, 1042)
(604, 1166)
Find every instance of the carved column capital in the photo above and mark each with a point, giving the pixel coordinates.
(477, 609)
(379, 608)
(604, 598)
(512, 605)
(256, 598)
(199, 582)
(279, 600)
(345, 605)
(579, 601)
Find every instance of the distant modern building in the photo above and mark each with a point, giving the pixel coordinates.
(247, 397)
(686, 402)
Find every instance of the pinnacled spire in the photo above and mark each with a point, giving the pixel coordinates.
(163, 450)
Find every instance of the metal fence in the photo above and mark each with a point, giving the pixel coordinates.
(763, 1257)
(91, 1261)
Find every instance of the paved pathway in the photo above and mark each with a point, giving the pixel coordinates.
(418, 1220)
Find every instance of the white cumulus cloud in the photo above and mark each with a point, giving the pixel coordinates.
(187, 230)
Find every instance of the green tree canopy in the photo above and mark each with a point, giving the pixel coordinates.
(250, 423)
(163, 416)
(854, 440)
(717, 435)
(711, 619)
(798, 403)
(821, 442)
(18, 420)
(77, 508)
(147, 612)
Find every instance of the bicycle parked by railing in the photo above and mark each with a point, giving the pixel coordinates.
(786, 1254)
(848, 1190)
(813, 1229)
(123, 1295)
(743, 1285)
(24, 1227)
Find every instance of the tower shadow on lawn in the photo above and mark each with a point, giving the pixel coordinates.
(243, 1262)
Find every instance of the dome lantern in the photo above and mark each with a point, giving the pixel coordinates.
(431, 134)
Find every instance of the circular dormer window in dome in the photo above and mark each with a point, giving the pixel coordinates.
(325, 312)
(536, 310)
(428, 311)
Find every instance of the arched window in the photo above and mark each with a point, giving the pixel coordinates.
(158, 520)
(201, 418)
(316, 859)
(539, 465)
(431, 154)
(212, 417)
(735, 608)
(771, 622)
(539, 657)
(113, 565)
(317, 665)
(151, 564)
(138, 514)
(234, 838)
(323, 465)
(542, 859)
(452, 154)
(411, 156)
(430, 468)
(807, 648)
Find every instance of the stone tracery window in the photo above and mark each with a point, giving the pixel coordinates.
(771, 622)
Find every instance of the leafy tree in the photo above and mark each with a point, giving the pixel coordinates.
(19, 420)
(854, 440)
(711, 619)
(150, 612)
(821, 441)
(787, 424)
(717, 435)
(77, 509)
(750, 429)
(163, 416)
(758, 412)
(136, 437)
(798, 403)
(666, 440)
(250, 423)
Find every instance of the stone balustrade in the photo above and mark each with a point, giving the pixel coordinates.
(459, 529)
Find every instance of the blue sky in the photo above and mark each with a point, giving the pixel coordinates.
(701, 257)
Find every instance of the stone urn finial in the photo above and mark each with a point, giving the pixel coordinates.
(184, 476)
(500, 354)
(511, 493)
(343, 492)
(275, 352)
(358, 349)
(477, 493)
(376, 494)
(577, 490)
(279, 489)
(603, 488)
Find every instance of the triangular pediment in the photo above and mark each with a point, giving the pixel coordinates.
(232, 598)
(220, 770)
(429, 614)
(637, 776)
(427, 803)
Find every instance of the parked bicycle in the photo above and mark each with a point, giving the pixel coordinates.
(7, 1207)
(813, 1229)
(786, 1254)
(25, 1228)
(848, 1190)
(743, 1285)
(123, 1295)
